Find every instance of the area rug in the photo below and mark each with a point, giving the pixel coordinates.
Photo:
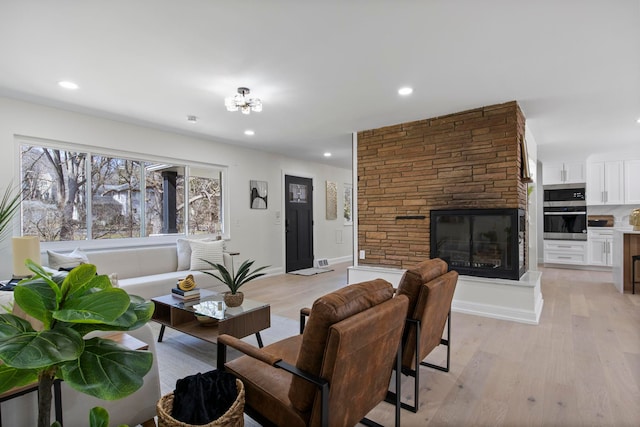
(310, 271)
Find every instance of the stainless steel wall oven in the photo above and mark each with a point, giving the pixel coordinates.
(565, 212)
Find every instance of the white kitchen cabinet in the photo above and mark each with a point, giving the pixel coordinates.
(563, 173)
(565, 252)
(600, 247)
(632, 182)
(605, 183)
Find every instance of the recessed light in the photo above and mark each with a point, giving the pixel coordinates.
(327, 154)
(68, 85)
(405, 91)
(249, 132)
(192, 119)
(638, 120)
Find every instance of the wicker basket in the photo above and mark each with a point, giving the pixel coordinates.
(234, 417)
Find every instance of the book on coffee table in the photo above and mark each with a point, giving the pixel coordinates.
(185, 294)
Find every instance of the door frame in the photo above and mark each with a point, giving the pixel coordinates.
(283, 210)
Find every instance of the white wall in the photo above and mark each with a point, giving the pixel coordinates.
(255, 233)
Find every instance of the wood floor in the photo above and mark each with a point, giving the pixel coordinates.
(579, 367)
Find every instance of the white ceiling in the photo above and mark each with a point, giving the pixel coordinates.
(324, 69)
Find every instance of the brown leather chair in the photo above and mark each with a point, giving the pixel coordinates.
(333, 374)
(430, 289)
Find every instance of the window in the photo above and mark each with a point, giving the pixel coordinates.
(74, 194)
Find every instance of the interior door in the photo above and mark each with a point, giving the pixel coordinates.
(298, 222)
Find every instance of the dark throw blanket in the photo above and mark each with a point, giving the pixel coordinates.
(202, 398)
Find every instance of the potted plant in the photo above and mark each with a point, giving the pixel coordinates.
(9, 205)
(69, 307)
(233, 280)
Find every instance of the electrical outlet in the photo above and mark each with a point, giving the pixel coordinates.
(362, 254)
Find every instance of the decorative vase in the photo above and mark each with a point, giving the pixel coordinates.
(233, 300)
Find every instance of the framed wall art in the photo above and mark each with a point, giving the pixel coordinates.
(258, 191)
(332, 200)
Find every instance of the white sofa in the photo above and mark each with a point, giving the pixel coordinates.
(150, 271)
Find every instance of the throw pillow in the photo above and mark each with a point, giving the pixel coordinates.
(183, 247)
(66, 261)
(211, 251)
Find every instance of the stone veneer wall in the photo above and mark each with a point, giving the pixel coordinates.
(469, 160)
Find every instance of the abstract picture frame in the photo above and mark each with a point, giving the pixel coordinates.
(258, 194)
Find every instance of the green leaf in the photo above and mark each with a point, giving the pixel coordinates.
(138, 313)
(103, 306)
(37, 299)
(11, 325)
(42, 274)
(78, 279)
(107, 370)
(98, 417)
(232, 281)
(13, 377)
(36, 350)
(9, 205)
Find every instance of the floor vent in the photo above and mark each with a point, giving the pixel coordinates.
(322, 262)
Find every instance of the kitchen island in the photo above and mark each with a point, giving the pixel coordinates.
(626, 243)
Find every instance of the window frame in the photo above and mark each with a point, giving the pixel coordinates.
(156, 240)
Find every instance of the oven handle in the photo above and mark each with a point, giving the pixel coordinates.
(565, 213)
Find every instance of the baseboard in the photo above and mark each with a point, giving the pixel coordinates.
(514, 300)
(500, 312)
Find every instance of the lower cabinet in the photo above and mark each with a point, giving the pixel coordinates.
(565, 252)
(600, 251)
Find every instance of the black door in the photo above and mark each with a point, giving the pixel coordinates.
(299, 222)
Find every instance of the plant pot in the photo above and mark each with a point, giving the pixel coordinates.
(233, 300)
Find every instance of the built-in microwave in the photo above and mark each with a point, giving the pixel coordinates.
(565, 212)
(564, 193)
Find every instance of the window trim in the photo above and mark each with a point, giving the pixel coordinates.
(147, 241)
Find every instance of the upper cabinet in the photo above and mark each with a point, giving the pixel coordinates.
(632, 182)
(613, 182)
(563, 173)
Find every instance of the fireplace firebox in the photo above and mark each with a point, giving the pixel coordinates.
(480, 242)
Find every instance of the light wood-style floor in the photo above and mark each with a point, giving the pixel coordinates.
(579, 367)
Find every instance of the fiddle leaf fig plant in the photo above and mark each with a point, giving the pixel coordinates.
(68, 307)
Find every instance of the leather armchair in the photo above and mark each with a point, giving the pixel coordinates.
(334, 373)
(429, 288)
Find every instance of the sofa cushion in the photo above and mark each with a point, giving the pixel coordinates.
(325, 312)
(210, 251)
(154, 285)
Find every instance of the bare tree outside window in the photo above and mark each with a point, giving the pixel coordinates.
(54, 205)
(115, 197)
(128, 197)
(205, 205)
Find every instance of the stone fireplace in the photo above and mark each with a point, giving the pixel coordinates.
(466, 160)
(459, 162)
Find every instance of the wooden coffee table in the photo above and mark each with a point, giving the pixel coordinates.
(250, 318)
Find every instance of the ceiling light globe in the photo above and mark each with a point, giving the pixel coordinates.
(405, 91)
